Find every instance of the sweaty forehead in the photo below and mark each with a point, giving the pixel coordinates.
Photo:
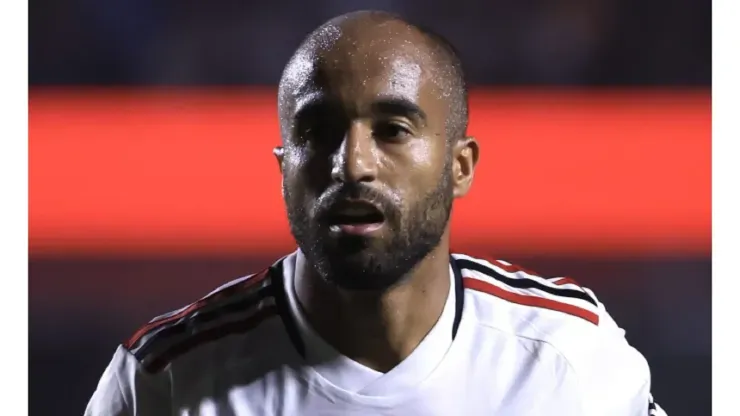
(359, 62)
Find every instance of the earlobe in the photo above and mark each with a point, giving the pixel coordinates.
(466, 153)
(279, 152)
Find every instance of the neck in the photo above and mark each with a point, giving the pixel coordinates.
(378, 330)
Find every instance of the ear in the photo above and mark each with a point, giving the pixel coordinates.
(465, 155)
(279, 152)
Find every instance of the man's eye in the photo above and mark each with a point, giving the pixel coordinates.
(323, 133)
(390, 131)
(306, 133)
(310, 131)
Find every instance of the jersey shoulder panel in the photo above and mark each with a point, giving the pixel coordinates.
(566, 316)
(503, 281)
(124, 389)
(237, 307)
(557, 311)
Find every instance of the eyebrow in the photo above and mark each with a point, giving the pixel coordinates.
(307, 104)
(399, 106)
(386, 105)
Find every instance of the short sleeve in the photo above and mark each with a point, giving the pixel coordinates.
(125, 389)
(614, 377)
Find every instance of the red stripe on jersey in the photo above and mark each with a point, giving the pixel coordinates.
(538, 302)
(512, 268)
(255, 279)
(565, 281)
(210, 335)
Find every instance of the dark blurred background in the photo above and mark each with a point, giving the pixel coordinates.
(503, 42)
(82, 305)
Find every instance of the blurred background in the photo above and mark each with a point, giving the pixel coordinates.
(151, 178)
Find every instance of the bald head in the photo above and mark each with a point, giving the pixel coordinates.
(376, 47)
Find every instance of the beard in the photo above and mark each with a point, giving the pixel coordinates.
(373, 264)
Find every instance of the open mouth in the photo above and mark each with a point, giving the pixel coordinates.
(355, 217)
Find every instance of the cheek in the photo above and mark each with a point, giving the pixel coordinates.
(303, 169)
(295, 158)
(305, 179)
(423, 155)
(419, 166)
(293, 179)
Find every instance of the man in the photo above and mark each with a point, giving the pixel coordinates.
(373, 314)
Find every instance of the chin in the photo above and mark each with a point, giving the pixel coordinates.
(364, 282)
(360, 270)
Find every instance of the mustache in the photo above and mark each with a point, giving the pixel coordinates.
(343, 192)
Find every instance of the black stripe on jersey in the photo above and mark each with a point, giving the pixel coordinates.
(155, 363)
(652, 408)
(523, 283)
(167, 341)
(195, 319)
(459, 296)
(206, 304)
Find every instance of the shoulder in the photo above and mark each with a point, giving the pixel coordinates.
(533, 296)
(552, 310)
(613, 378)
(236, 308)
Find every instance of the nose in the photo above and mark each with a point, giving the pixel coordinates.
(356, 159)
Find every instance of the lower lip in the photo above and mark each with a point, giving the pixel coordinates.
(356, 229)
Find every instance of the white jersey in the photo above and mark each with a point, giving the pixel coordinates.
(508, 342)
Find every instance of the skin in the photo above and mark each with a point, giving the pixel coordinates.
(364, 108)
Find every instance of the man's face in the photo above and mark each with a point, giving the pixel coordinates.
(366, 166)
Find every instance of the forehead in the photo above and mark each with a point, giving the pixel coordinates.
(356, 66)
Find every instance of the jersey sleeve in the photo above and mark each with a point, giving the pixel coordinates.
(614, 377)
(125, 389)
